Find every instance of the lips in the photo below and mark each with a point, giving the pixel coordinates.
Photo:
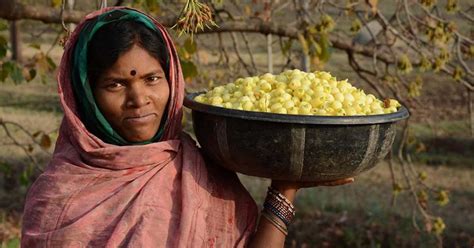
(140, 119)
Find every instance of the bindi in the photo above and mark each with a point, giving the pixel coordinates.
(133, 72)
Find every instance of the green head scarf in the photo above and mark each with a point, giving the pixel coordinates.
(90, 114)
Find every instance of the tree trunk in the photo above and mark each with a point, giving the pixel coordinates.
(15, 40)
(269, 53)
(103, 4)
(305, 62)
(70, 7)
(470, 98)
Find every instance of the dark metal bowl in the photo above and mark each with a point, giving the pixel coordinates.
(292, 147)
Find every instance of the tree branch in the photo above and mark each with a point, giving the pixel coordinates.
(12, 10)
(237, 52)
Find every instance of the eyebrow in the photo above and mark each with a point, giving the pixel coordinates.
(149, 74)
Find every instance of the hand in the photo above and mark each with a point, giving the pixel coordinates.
(267, 234)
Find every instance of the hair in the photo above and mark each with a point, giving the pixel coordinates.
(115, 38)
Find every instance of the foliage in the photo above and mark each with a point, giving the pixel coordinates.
(40, 63)
(194, 16)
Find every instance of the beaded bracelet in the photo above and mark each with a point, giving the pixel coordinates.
(280, 214)
(278, 206)
(280, 196)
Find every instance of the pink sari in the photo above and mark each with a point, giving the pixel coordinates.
(163, 194)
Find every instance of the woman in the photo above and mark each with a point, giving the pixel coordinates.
(123, 174)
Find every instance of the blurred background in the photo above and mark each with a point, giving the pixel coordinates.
(419, 52)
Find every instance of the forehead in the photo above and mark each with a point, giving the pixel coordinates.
(136, 59)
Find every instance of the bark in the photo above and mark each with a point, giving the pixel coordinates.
(17, 11)
(12, 10)
(15, 40)
(470, 98)
(70, 7)
(269, 53)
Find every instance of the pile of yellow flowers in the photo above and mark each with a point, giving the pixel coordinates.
(299, 93)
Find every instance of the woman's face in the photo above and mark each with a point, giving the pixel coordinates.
(133, 95)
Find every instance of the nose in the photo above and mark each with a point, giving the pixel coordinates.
(137, 96)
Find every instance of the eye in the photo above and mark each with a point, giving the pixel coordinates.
(152, 79)
(114, 85)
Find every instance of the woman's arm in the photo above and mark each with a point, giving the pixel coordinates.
(267, 234)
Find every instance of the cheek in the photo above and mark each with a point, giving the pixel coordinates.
(109, 104)
(163, 95)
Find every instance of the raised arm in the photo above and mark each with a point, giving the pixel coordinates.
(271, 230)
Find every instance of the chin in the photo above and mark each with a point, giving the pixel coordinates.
(135, 138)
(136, 135)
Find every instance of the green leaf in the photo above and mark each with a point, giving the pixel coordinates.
(35, 45)
(3, 47)
(13, 243)
(190, 46)
(56, 3)
(3, 74)
(7, 68)
(3, 25)
(11, 69)
(16, 74)
(3, 41)
(286, 46)
(218, 3)
(3, 51)
(325, 45)
(152, 5)
(24, 178)
(32, 74)
(29, 74)
(5, 169)
(316, 46)
(183, 53)
(304, 43)
(51, 63)
(189, 69)
(44, 79)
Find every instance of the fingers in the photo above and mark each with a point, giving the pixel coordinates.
(327, 183)
(338, 182)
(289, 185)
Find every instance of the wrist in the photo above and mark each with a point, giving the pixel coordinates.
(286, 189)
(278, 209)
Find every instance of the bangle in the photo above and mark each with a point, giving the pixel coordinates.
(280, 196)
(280, 207)
(274, 221)
(277, 212)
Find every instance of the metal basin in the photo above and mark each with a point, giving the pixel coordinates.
(293, 147)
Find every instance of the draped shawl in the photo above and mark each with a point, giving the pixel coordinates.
(163, 194)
